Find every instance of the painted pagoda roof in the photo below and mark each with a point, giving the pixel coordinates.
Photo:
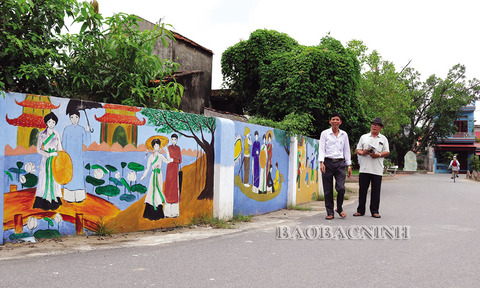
(36, 104)
(121, 107)
(120, 119)
(28, 120)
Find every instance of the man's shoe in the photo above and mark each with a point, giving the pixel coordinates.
(376, 215)
(330, 217)
(342, 214)
(358, 214)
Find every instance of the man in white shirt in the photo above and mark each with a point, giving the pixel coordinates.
(371, 150)
(333, 157)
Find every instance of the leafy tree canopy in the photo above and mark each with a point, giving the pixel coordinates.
(297, 79)
(110, 60)
(241, 62)
(436, 104)
(416, 113)
(29, 46)
(382, 91)
(293, 124)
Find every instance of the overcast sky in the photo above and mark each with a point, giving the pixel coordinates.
(435, 35)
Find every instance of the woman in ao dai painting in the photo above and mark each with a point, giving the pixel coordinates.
(49, 192)
(155, 198)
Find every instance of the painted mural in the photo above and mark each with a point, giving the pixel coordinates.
(261, 169)
(307, 170)
(69, 164)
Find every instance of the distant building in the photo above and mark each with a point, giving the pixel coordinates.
(195, 72)
(461, 144)
(223, 100)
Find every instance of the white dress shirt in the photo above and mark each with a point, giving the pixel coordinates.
(335, 147)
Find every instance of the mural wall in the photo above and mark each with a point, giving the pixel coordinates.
(69, 164)
(261, 169)
(307, 170)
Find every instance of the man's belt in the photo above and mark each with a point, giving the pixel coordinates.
(335, 159)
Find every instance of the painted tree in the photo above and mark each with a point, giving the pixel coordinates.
(192, 126)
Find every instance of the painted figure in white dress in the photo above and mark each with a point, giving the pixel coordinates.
(49, 193)
(155, 198)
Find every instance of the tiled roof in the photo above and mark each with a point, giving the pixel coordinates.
(36, 104)
(185, 39)
(121, 107)
(27, 120)
(120, 119)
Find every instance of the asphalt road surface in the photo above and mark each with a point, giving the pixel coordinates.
(441, 220)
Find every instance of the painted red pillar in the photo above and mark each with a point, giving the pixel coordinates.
(79, 223)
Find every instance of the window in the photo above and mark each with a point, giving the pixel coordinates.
(462, 126)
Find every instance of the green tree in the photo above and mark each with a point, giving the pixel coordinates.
(241, 62)
(112, 64)
(116, 64)
(382, 90)
(280, 77)
(436, 104)
(30, 48)
(314, 80)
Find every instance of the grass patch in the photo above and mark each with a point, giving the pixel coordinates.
(103, 228)
(210, 221)
(296, 207)
(321, 197)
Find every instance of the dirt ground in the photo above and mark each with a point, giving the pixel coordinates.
(78, 243)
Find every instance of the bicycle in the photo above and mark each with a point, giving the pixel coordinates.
(454, 173)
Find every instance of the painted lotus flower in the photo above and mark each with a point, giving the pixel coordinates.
(132, 176)
(32, 223)
(30, 167)
(98, 173)
(58, 218)
(118, 175)
(23, 179)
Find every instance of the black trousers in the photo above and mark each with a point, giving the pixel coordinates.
(333, 170)
(365, 179)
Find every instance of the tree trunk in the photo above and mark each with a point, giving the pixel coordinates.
(207, 192)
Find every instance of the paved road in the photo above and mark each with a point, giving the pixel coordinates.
(441, 252)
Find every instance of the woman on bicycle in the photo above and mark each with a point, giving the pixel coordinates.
(455, 165)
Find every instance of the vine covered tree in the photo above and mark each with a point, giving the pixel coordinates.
(241, 62)
(192, 126)
(284, 77)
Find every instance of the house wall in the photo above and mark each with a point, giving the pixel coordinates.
(124, 184)
(464, 154)
(193, 58)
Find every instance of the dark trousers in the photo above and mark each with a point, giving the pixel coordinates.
(333, 170)
(365, 179)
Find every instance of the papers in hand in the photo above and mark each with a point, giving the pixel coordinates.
(371, 148)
